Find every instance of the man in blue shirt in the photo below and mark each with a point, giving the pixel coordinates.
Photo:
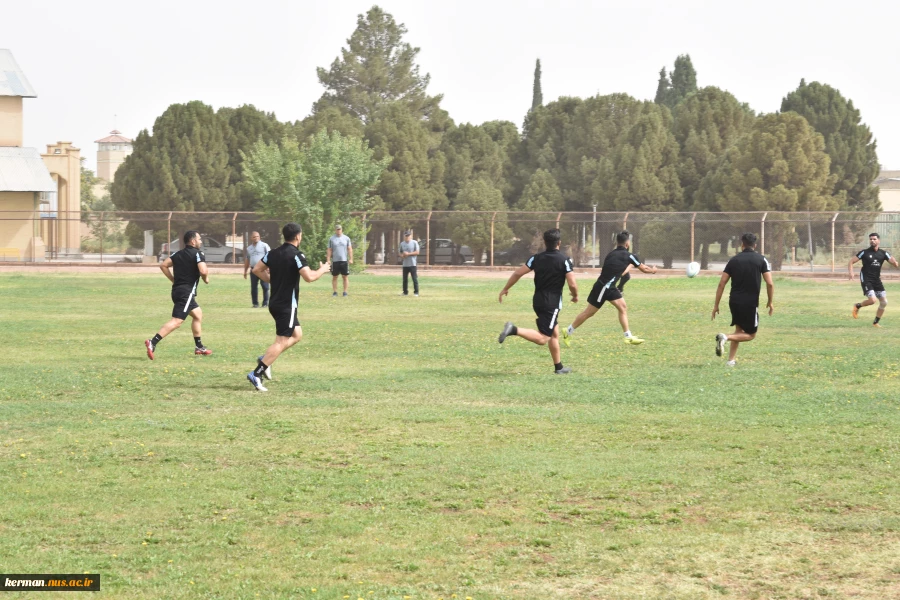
(255, 251)
(340, 255)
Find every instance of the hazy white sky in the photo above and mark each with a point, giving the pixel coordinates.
(91, 60)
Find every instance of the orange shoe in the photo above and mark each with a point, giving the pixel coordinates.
(202, 351)
(855, 312)
(150, 348)
(878, 325)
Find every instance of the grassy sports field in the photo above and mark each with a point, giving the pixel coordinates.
(402, 453)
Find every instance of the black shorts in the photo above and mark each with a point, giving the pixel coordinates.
(340, 267)
(600, 293)
(184, 301)
(873, 286)
(547, 319)
(745, 316)
(285, 320)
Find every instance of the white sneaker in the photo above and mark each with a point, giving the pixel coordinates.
(721, 338)
(730, 363)
(255, 382)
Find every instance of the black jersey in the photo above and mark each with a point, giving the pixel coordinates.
(550, 270)
(615, 264)
(872, 260)
(186, 270)
(284, 265)
(745, 270)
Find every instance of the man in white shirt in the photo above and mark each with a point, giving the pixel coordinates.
(340, 255)
(255, 251)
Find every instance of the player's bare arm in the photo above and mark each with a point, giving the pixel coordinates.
(516, 276)
(720, 290)
(262, 271)
(204, 272)
(894, 262)
(850, 266)
(573, 286)
(166, 267)
(309, 275)
(645, 269)
(770, 291)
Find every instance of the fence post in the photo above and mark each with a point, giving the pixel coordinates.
(494, 216)
(428, 239)
(594, 240)
(169, 233)
(233, 233)
(364, 240)
(625, 221)
(693, 218)
(833, 219)
(762, 232)
(101, 236)
(558, 217)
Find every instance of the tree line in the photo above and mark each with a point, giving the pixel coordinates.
(690, 148)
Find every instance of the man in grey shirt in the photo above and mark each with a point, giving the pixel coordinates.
(340, 255)
(255, 251)
(409, 251)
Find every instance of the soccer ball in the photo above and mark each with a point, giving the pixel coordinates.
(692, 269)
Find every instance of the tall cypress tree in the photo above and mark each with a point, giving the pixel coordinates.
(684, 79)
(663, 88)
(537, 97)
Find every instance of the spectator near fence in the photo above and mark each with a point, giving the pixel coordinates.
(255, 251)
(409, 251)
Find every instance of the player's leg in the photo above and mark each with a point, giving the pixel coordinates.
(254, 292)
(413, 271)
(556, 355)
(869, 301)
(265, 287)
(622, 309)
(622, 281)
(405, 281)
(346, 283)
(546, 322)
(588, 312)
(281, 344)
(882, 304)
(197, 329)
(334, 279)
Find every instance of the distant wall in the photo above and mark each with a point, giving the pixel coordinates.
(11, 121)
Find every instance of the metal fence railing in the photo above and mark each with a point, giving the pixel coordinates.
(808, 241)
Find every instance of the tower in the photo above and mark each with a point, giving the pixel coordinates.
(111, 152)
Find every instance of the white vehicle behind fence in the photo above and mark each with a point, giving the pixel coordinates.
(214, 251)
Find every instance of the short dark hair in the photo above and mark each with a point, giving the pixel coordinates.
(551, 238)
(622, 237)
(749, 239)
(189, 235)
(875, 235)
(291, 231)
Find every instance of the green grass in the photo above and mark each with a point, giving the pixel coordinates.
(402, 452)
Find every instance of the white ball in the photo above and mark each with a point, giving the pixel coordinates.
(692, 269)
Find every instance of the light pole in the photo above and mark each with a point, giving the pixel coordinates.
(594, 239)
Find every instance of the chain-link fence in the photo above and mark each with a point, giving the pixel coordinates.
(810, 241)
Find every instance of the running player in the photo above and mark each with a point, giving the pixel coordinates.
(744, 270)
(872, 259)
(283, 267)
(190, 266)
(615, 265)
(551, 269)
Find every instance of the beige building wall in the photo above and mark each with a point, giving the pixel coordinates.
(890, 199)
(11, 131)
(108, 161)
(18, 230)
(64, 163)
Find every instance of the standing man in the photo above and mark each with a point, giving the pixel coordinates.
(255, 251)
(283, 267)
(190, 266)
(339, 244)
(551, 269)
(409, 251)
(870, 276)
(615, 266)
(744, 270)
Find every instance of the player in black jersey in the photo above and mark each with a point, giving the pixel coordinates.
(745, 271)
(190, 267)
(873, 258)
(282, 268)
(551, 269)
(616, 265)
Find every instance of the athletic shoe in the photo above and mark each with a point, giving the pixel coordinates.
(416, 294)
(404, 294)
(567, 338)
(256, 306)
(202, 351)
(721, 338)
(334, 294)
(563, 371)
(255, 382)
(268, 371)
(346, 294)
(878, 325)
(730, 363)
(507, 330)
(150, 348)
(265, 304)
(633, 340)
(855, 312)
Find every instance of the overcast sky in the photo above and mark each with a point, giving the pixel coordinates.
(91, 60)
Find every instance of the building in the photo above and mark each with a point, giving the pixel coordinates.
(888, 183)
(111, 152)
(26, 187)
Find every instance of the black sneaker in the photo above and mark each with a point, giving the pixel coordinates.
(265, 304)
(563, 371)
(507, 330)
(256, 306)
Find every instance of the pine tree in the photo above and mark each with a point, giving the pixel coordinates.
(663, 88)
(684, 80)
(848, 142)
(475, 231)
(471, 154)
(376, 68)
(537, 97)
